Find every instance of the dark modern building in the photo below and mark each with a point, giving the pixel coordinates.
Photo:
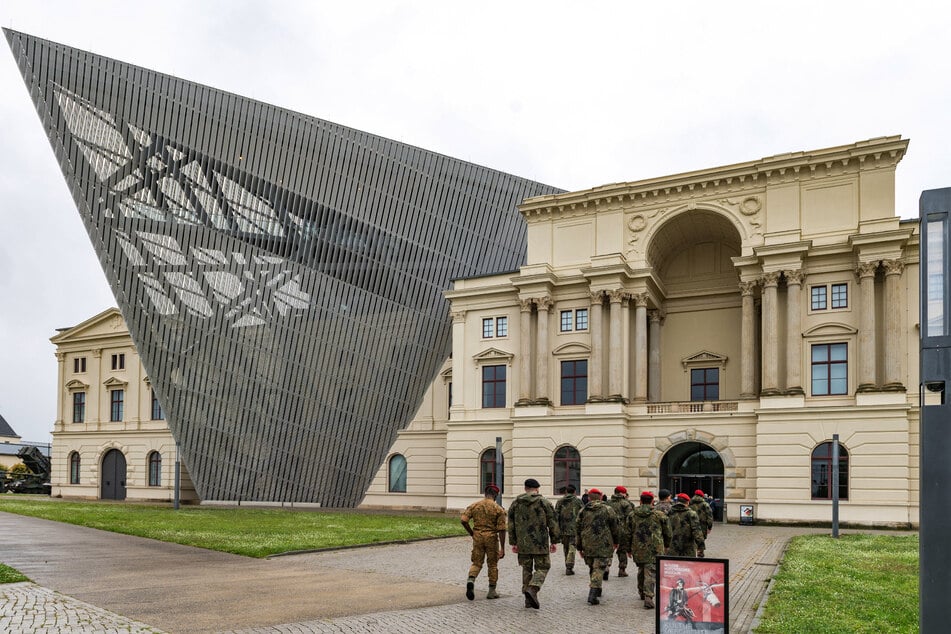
(282, 276)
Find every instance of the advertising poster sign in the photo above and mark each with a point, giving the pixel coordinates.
(692, 595)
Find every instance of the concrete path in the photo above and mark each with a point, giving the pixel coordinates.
(93, 581)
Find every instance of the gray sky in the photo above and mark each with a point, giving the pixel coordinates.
(572, 94)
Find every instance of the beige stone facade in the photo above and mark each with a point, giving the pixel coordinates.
(713, 329)
(110, 440)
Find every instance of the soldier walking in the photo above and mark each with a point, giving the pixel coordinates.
(567, 509)
(622, 508)
(702, 508)
(650, 536)
(686, 536)
(533, 533)
(488, 539)
(598, 533)
(664, 503)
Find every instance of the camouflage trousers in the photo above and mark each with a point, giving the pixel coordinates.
(596, 568)
(568, 543)
(647, 578)
(534, 569)
(622, 556)
(485, 546)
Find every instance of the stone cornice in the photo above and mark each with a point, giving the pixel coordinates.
(878, 153)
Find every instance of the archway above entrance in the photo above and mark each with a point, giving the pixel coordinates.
(689, 466)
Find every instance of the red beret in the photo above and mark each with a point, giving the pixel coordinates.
(698, 492)
(647, 494)
(594, 492)
(494, 490)
(620, 489)
(683, 496)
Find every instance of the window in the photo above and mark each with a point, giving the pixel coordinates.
(116, 405)
(450, 393)
(79, 407)
(567, 468)
(79, 365)
(495, 327)
(487, 473)
(74, 468)
(574, 382)
(574, 320)
(397, 479)
(819, 296)
(157, 413)
(493, 386)
(155, 469)
(118, 361)
(822, 472)
(830, 369)
(705, 384)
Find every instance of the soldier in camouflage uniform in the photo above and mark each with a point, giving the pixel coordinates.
(650, 536)
(488, 539)
(686, 536)
(663, 501)
(702, 508)
(622, 508)
(533, 533)
(598, 533)
(567, 509)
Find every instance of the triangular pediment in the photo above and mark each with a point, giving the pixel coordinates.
(830, 329)
(76, 386)
(108, 323)
(704, 357)
(493, 354)
(114, 382)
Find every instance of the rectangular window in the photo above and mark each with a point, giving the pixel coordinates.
(493, 386)
(830, 369)
(705, 384)
(818, 297)
(567, 321)
(574, 382)
(157, 413)
(501, 326)
(840, 296)
(79, 365)
(488, 328)
(581, 319)
(116, 405)
(118, 361)
(79, 407)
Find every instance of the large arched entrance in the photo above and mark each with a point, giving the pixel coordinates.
(113, 476)
(689, 466)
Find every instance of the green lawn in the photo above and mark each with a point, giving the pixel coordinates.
(243, 531)
(10, 575)
(853, 584)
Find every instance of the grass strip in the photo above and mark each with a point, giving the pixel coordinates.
(11, 575)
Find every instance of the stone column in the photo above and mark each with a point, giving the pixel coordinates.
(893, 338)
(62, 414)
(615, 353)
(747, 342)
(794, 332)
(640, 347)
(770, 335)
(653, 355)
(525, 352)
(595, 377)
(542, 353)
(866, 273)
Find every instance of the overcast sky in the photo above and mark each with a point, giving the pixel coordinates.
(572, 94)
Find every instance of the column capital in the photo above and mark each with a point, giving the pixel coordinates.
(60, 356)
(657, 315)
(97, 353)
(794, 278)
(597, 297)
(640, 299)
(543, 303)
(747, 288)
(458, 316)
(617, 295)
(525, 305)
(866, 269)
(893, 267)
(770, 279)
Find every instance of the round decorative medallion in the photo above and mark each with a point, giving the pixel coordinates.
(750, 206)
(637, 223)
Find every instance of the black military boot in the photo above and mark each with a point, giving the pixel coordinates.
(470, 587)
(531, 596)
(569, 571)
(607, 571)
(593, 596)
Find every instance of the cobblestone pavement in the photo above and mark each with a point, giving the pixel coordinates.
(753, 553)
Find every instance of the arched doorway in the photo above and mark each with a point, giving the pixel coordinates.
(689, 466)
(113, 476)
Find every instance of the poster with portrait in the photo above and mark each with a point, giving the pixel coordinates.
(692, 595)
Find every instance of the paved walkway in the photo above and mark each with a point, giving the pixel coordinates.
(93, 581)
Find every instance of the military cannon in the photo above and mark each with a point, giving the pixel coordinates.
(36, 482)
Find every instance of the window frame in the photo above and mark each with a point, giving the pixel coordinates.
(79, 365)
(79, 408)
(705, 384)
(488, 475)
(75, 464)
(579, 312)
(829, 364)
(566, 321)
(826, 461)
(118, 361)
(157, 412)
(501, 327)
(559, 482)
(116, 405)
(154, 465)
(571, 381)
(494, 397)
(834, 297)
(488, 327)
(839, 300)
(393, 484)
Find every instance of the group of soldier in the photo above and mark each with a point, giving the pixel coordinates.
(595, 529)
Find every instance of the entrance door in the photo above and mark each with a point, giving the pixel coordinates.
(694, 465)
(113, 475)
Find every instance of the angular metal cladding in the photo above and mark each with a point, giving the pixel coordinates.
(281, 275)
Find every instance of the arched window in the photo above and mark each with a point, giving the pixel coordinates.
(155, 469)
(822, 472)
(487, 473)
(74, 468)
(567, 468)
(397, 480)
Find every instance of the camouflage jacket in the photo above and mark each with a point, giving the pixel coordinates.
(598, 530)
(567, 510)
(664, 506)
(650, 533)
(486, 516)
(531, 523)
(622, 508)
(686, 537)
(703, 511)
